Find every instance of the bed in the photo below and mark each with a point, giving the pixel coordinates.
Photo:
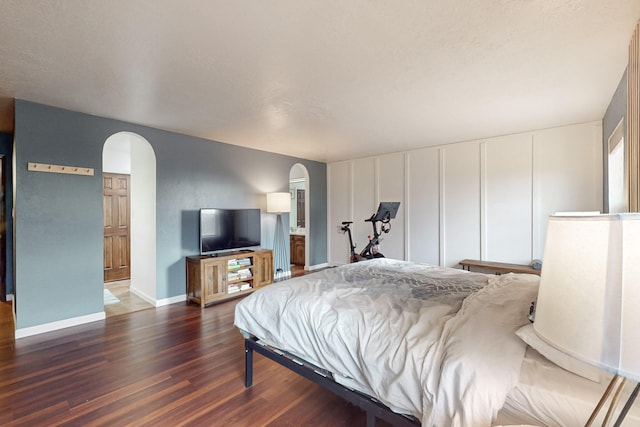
(435, 346)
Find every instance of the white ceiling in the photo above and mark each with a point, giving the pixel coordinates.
(320, 79)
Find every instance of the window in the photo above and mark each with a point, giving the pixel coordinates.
(617, 172)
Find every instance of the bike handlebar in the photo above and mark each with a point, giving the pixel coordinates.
(385, 220)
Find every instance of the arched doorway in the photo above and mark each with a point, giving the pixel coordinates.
(299, 216)
(130, 154)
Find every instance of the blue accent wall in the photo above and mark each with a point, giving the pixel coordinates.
(59, 260)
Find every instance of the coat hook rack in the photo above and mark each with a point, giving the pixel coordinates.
(72, 170)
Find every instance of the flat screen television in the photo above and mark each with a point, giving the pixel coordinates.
(228, 229)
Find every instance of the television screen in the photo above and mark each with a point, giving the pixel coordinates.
(224, 229)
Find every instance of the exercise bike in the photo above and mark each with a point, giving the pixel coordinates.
(386, 212)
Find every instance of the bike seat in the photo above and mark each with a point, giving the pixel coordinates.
(347, 222)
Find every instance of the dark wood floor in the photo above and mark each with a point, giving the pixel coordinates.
(173, 365)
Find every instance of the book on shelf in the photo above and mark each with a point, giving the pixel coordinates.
(233, 288)
(245, 273)
(238, 263)
(244, 286)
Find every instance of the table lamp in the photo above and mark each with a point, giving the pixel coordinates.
(278, 203)
(589, 296)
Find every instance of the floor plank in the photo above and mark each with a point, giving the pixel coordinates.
(177, 365)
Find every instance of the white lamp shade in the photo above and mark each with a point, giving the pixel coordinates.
(278, 202)
(589, 295)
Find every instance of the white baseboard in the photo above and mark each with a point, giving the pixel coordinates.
(158, 302)
(75, 321)
(142, 295)
(60, 324)
(171, 300)
(317, 266)
(9, 297)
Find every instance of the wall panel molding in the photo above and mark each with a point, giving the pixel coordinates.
(633, 120)
(486, 199)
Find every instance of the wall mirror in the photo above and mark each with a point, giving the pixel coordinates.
(297, 187)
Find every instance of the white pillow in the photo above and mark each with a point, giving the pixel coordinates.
(571, 364)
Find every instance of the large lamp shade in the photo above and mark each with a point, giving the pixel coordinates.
(278, 202)
(589, 295)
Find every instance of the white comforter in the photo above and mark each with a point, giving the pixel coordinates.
(435, 343)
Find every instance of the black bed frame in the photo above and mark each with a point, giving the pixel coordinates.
(374, 409)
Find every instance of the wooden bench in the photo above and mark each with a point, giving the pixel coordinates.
(497, 267)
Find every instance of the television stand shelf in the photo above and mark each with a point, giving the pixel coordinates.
(212, 279)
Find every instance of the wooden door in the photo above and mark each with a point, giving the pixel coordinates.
(214, 281)
(263, 268)
(297, 250)
(116, 207)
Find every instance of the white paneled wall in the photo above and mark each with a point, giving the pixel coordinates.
(507, 174)
(391, 185)
(567, 175)
(365, 190)
(340, 207)
(423, 206)
(460, 202)
(486, 199)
